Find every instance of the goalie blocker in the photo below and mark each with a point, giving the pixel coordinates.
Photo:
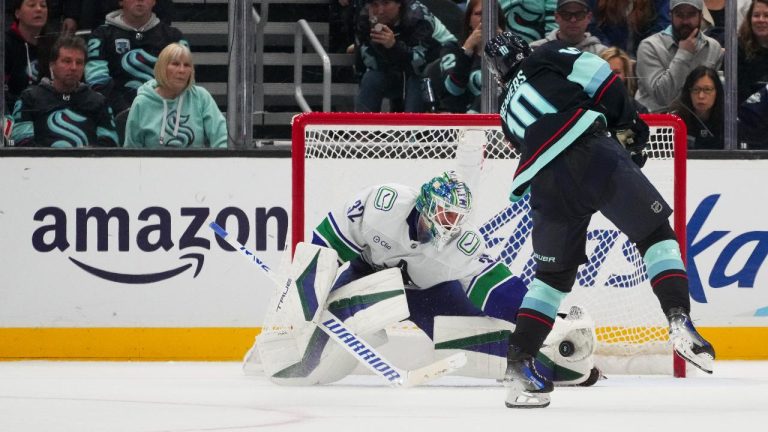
(294, 351)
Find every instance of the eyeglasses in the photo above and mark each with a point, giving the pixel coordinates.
(706, 90)
(567, 16)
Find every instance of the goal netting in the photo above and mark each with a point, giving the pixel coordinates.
(337, 154)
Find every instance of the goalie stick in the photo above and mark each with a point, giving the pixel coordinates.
(353, 344)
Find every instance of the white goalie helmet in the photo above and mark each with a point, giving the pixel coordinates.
(444, 203)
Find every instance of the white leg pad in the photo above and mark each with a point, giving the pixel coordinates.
(296, 303)
(483, 339)
(571, 346)
(383, 295)
(303, 355)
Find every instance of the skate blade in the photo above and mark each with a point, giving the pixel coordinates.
(518, 397)
(524, 399)
(703, 361)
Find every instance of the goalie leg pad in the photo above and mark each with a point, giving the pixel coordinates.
(305, 356)
(371, 303)
(569, 349)
(324, 361)
(295, 303)
(484, 340)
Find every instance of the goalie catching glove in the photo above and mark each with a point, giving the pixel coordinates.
(635, 140)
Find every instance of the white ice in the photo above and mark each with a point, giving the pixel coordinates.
(186, 397)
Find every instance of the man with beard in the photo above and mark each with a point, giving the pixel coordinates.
(666, 58)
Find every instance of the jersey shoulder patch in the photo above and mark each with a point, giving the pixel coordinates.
(385, 198)
(469, 242)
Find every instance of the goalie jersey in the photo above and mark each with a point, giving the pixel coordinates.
(379, 226)
(558, 94)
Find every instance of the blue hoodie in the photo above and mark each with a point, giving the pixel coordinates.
(157, 122)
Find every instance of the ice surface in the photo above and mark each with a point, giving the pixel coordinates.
(185, 397)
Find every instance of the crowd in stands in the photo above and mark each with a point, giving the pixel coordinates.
(137, 68)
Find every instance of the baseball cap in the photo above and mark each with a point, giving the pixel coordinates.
(561, 3)
(698, 4)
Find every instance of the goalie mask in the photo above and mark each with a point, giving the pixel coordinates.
(504, 53)
(444, 203)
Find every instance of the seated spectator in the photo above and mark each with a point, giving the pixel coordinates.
(622, 66)
(21, 47)
(624, 23)
(714, 18)
(572, 18)
(531, 19)
(63, 16)
(62, 111)
(753, 127)
(171, 111)
(122, 52)
(456, 76)
(395, 40)
(753, 50)
(701, 107)
(93, 12)
(666, 58)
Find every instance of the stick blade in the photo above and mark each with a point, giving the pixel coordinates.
(435, 370)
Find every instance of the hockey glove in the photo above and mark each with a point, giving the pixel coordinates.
(635, 140)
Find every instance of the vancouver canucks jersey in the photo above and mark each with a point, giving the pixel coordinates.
(379, 226)
(557, 95)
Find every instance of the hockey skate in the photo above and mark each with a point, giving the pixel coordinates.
(526, 387)
(688, 343)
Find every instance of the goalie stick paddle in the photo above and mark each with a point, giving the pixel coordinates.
(352, 343)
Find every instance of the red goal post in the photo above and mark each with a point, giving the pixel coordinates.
(336, 154)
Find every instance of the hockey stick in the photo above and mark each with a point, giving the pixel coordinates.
(359, 348)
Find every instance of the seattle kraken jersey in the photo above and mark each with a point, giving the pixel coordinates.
(121, 60)
(557, 95)
(378, 225)
(44, 118)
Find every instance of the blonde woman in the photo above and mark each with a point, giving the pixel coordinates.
(171, 111)
(624, 67)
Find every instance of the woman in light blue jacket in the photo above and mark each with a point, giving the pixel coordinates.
(171, 111)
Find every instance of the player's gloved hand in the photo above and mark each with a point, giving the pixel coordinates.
(635, 139)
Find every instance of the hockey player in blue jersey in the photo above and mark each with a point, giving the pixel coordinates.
(581, 142)
(449, 287)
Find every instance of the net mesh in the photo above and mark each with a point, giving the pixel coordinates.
(612, 285)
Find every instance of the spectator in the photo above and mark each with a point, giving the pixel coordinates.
(531, 19)
(171, 111)
(572, 17)
(753, 127)
(62, 111)
(21, 47)
(122, 52)
(395, 40)
(714, 18)
(63, 15)
(624, 23)
(666, 58)
(701, 107)
(93, 12)
(753, 50)
(623, 66)
(457, 74)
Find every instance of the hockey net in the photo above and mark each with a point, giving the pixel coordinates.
(337, 154)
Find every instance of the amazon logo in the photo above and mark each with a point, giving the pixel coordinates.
(151, 230)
